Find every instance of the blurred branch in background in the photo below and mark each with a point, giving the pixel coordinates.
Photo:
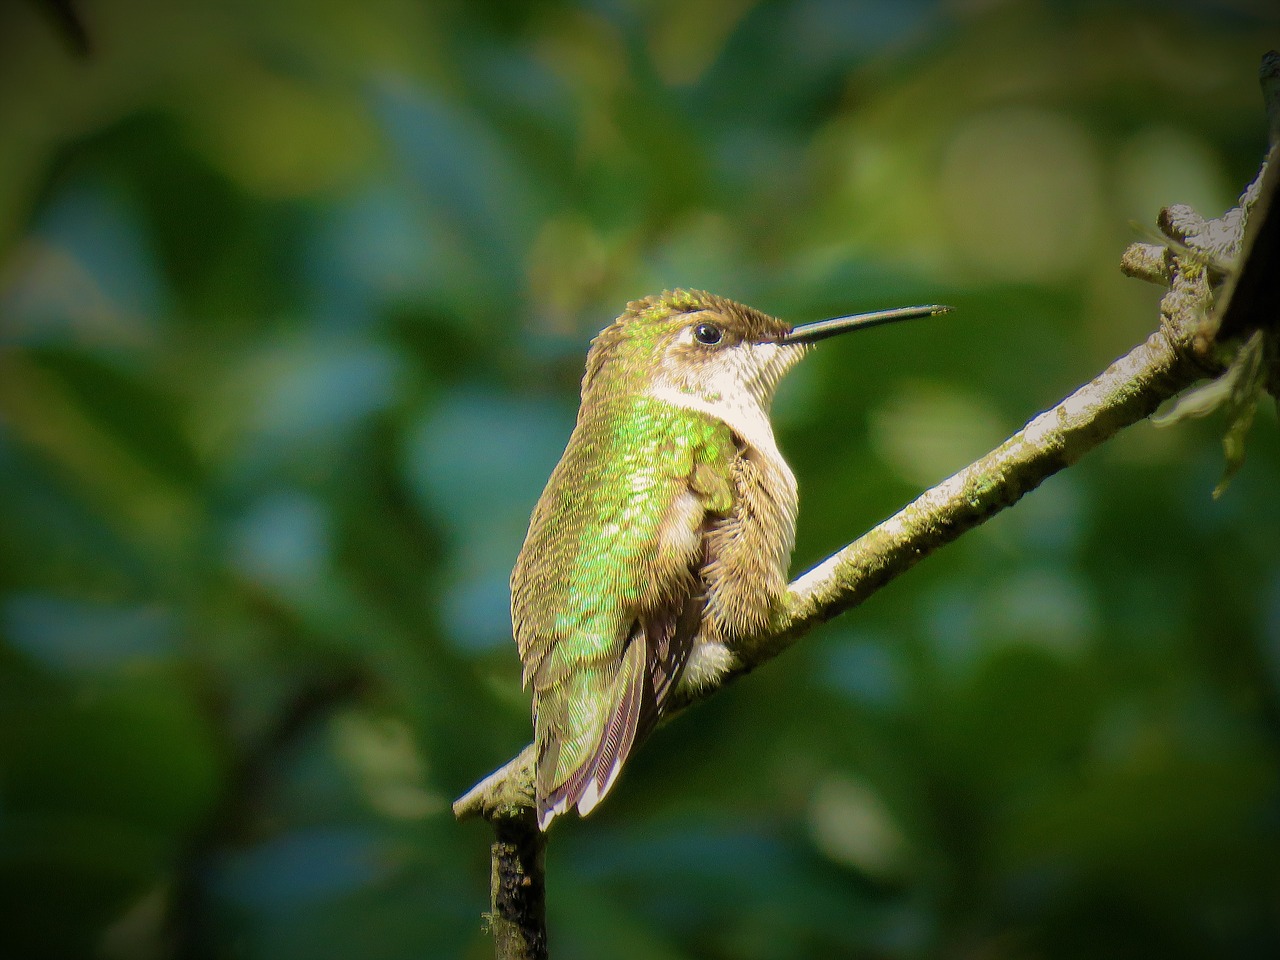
(189, 929)
(66, 19)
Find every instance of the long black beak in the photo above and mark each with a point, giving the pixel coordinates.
(821, 329)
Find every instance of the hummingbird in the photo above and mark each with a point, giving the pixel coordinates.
(664, 534)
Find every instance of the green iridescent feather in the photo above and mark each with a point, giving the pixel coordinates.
(596, 563)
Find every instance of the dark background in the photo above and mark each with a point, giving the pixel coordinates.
(294, 298)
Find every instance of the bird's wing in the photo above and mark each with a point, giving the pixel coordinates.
(606, 593)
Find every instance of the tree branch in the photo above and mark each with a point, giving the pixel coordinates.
(1192, 260)
(518, 894)
(1129, 390)
(1126, 392)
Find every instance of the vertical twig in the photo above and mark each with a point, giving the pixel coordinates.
(518, 894)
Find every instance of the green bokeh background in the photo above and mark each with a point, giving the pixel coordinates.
(293, 304)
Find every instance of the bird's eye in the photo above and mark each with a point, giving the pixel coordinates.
(707, 333)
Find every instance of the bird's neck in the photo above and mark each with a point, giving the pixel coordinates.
(739, 410)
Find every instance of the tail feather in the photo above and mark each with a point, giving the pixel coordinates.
(619, 734)
(593, 778)
(651, 666)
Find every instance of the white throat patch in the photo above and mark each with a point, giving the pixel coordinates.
(739, 394)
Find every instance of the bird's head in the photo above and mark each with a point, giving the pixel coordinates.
(708, 348)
